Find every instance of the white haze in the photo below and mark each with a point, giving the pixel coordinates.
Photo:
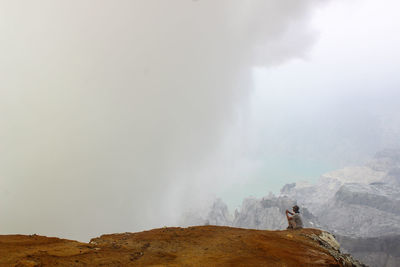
(336, 107)
(112, 112)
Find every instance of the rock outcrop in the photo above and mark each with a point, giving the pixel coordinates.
(269, 213)
(377, 251)
(193, 246)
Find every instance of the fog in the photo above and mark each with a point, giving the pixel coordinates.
(336, 107)
(114, 112)
(118, 116)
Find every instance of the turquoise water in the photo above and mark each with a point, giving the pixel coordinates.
(274, 173)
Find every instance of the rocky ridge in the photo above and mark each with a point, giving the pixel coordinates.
(193, 246)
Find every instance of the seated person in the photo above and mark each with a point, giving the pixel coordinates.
(294, 221)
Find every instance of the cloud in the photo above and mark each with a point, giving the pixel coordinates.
(110, 110)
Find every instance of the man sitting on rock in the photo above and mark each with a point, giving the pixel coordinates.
(294, 221)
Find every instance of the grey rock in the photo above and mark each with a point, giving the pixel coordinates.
(328, 241)
(219, 214)
(385, 160)
(376, 251)
(269, 213)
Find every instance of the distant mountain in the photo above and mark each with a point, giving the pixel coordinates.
(269, 213)
(265, 213)
(317, 197)
(363, 210)
(356, 201)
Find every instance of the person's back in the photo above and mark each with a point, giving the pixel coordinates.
(298, 222)
(295, 221)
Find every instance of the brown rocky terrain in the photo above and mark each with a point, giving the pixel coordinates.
(193, 246)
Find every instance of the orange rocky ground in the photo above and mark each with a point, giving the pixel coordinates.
(193, 246)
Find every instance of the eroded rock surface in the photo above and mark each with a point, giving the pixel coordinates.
(193, 246)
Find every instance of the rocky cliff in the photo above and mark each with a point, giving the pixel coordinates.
(377, 251)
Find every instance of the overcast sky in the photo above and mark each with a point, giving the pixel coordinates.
(118, 115)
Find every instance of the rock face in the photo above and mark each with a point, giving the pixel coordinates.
(194, 246)
(319, 196)
(261, 214)
(386, 160)
(219, 214)
(363, 210)
(269, 213)
(377, 251)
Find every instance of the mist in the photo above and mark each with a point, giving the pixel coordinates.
(336, 107)
(113, 113)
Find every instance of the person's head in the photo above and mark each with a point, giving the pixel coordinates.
(296, 209)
